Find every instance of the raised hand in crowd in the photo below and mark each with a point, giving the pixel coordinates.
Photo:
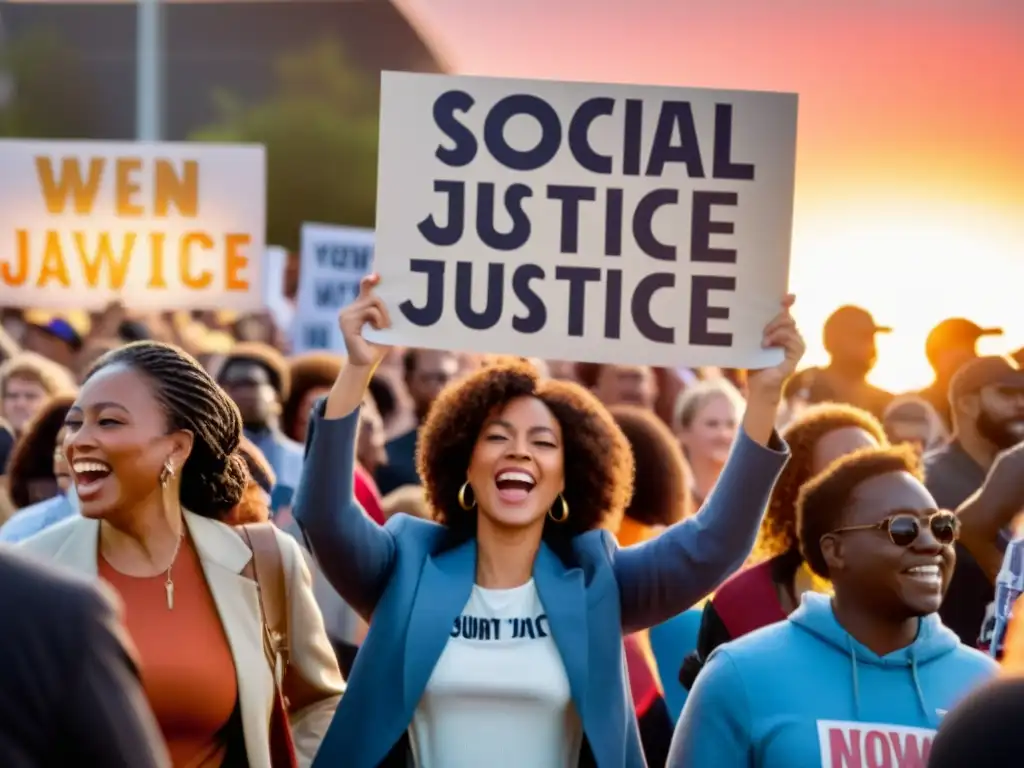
(765, 386)
(986, 517)
(363, 356)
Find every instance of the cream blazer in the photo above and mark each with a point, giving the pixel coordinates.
(74, 543)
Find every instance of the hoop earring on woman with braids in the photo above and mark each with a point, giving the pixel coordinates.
(462, 496)
(565, 511)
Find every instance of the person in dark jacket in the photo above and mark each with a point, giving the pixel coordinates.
(69, 691)
(983, 730)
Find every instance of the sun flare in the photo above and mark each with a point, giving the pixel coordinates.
(910, 266)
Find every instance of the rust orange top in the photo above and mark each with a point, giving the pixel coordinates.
(187, 669)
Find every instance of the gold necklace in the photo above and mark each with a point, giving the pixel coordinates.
(169, 583)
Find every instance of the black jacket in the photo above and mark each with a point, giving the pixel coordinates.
(69, 691)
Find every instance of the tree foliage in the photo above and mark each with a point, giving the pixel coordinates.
(320, 131)
(47, 97)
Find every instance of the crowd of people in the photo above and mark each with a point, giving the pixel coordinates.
(219, 553)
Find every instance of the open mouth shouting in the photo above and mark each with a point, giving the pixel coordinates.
(514, 485)
(89, 476)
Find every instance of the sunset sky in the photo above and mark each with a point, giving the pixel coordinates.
(910, 172)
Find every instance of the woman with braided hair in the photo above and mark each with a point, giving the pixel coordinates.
(152, 443)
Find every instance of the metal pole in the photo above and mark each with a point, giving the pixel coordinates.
(6, 80)
(148, 75)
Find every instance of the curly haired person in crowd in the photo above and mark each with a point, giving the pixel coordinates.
(500, 622)
(312, 375)
(771, 590)
(152, 443)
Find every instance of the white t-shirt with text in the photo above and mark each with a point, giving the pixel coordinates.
(498, 696)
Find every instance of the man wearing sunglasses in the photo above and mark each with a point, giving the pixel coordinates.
(869, 671)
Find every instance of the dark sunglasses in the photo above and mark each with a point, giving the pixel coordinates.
(903, 528)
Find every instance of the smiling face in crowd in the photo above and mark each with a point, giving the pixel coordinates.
(117, 442)
(517, 467)
(711, 432)
(899, 581)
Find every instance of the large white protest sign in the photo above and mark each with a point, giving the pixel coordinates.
(604, 223)
(156, 225)
(334, 259)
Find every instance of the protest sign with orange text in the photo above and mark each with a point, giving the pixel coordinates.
(156, 225)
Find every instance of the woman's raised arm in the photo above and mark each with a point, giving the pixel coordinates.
(664, 576)
(355, 554)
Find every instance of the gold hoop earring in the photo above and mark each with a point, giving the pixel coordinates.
(565, 511)
(462, 496)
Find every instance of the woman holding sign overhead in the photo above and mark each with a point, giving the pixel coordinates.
(496, 632)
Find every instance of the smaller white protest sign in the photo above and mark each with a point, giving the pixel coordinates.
(333, 261)
(155, 225)
(606, 223)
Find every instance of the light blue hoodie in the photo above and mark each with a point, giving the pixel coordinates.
(29, 521)
(804, 694)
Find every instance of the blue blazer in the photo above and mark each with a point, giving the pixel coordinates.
(414, 587)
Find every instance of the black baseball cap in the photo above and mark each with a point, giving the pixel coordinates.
(956, 332)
